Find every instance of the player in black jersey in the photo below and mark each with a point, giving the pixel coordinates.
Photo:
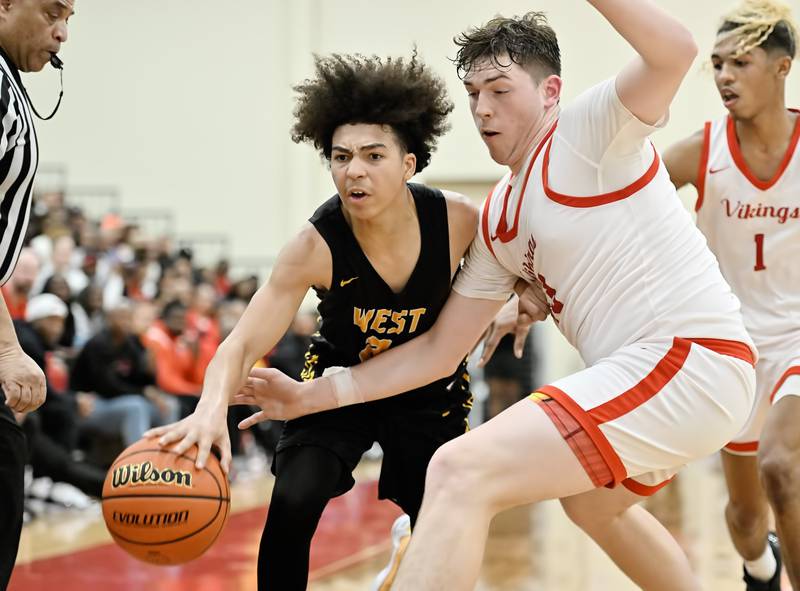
(381, 255)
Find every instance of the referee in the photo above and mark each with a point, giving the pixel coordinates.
(31, 32)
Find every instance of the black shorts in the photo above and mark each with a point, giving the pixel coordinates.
(408, 432)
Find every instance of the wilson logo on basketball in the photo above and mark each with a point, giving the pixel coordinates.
(151, 519)
(145, 473)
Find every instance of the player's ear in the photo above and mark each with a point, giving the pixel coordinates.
(784, 66)
(409, 166)
(550, 88)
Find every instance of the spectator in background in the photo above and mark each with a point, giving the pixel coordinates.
(57, 285)
(201, 319)
(63, 261)
(88, 313)
(18, 288)
(222, 282)
(38, 336)
(176, 356)
(115, 369)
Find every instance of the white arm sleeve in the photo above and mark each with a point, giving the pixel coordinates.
(482, 276)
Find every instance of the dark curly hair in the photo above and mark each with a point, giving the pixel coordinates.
(403, 94)
(527, 41)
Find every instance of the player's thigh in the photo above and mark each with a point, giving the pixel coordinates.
(595, 508)
(517, 457)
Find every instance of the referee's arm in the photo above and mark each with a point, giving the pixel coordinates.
(21, 379)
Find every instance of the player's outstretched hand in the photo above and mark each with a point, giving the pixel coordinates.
(204, 428)
(22, 380)
(516, 317)
(279, 396)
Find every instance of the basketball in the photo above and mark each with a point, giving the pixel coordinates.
(160, 508)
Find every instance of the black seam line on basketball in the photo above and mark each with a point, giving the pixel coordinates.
(161, 543)
(169, 451)
(219, 531)
(161, 496)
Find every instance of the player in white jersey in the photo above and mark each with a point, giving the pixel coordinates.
(589, 212)
(746, 167)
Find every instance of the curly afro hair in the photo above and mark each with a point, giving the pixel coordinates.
(403, 94)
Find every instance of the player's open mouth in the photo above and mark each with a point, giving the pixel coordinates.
(728, 97)
(488, 133)
(357, 194)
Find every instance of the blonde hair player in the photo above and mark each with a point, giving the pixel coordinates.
(746, 168)
(587, 210)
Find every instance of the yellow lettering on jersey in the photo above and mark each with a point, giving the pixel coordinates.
(416, 314)
(361, 318)
(374, 347)
(399, 319)
(380, 318)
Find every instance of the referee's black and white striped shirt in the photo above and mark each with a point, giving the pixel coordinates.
(19, 158)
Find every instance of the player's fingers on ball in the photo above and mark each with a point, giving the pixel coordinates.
(183, 443)
(225, 456)
(203, 449)
(173, 435)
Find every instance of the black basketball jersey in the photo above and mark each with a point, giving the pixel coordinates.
(360, 314)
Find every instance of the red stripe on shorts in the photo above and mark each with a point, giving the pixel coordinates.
(644, 490)
(792, 371)
(577, 438)
(652, 384)
(743, 448)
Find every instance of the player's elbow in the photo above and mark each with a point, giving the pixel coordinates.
(685, 48)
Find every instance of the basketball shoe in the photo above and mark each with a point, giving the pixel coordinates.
(401, 535)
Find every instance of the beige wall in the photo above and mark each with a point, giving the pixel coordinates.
(186, 104)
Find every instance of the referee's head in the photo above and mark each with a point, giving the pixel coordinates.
(33, 30)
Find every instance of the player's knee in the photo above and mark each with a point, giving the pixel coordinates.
(454, 469)
(585, 515)
(745, 516)
(299, 498)
(780, 474)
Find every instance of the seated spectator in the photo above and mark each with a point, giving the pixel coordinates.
(65, 262)
(57, 285)
(52, 430)
(18, 288)
(88, 313)
(201, 321)
(178, 371)
(115, 369)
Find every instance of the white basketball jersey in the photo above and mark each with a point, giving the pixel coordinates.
(619, 266)
(753, 227)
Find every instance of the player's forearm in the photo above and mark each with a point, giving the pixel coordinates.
(660, 39)
(412, 365)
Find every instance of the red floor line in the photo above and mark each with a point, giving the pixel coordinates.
(353, 528)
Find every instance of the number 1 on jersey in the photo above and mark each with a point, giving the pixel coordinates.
(760, 266)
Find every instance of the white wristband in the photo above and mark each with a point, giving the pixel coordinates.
(345, 389)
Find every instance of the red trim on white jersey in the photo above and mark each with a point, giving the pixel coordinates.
(502, 232)
(738, 157)
(792, 371)
(605, 198)
(700, 183)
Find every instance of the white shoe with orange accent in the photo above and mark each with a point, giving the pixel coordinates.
(401, 535)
